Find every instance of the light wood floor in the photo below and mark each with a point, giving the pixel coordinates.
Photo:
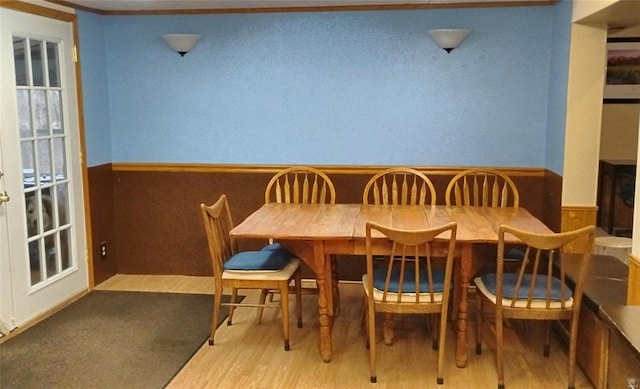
(248, 355)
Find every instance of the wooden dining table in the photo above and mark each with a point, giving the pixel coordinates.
(313, 232)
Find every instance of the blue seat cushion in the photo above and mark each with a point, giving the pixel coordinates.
(514, 253)
(539, 291)
(258, 260)
(409, 284)
(273, 247)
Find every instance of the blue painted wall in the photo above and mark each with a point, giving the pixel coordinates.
(95, 89)
(330, 88)
(558, 82)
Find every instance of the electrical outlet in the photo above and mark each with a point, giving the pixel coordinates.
(103, 250)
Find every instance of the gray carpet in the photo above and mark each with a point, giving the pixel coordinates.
(109, 340)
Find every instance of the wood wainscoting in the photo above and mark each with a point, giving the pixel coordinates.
(633, 291)
(148, 214)
(574, 217)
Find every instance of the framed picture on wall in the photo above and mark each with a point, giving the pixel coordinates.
(623, 69)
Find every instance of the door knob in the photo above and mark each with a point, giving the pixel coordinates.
(4, 198)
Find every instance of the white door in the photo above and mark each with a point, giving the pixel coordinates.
(42, 232)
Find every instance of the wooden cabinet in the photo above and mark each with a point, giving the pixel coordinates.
(624, 365)
(591, 349)
(606, 285)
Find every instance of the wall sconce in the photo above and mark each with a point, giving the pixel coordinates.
(448, 38)
(181, 43)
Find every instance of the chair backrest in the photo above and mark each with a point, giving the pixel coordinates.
(218, 222)
(412, 250)
(399, 186)
(544, 258)
(481, 187)
(300, 185)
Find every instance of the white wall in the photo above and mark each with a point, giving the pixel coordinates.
(585, 8)
(585, 91)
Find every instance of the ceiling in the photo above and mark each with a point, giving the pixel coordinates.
(621, 16)
(165, 5)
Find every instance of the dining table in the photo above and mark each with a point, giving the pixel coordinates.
(314, 232)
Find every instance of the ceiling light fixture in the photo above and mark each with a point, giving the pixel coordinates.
(448, 38)
(181, 43)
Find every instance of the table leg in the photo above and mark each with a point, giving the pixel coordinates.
(324, 291)
(462, 333)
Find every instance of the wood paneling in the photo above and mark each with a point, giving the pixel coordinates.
(633, 292)
(552, 200)
(577, 217)
(102, 221)
(148, 213)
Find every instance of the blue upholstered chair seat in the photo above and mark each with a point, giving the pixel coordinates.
(273, 247)
(409, 285)
(269, 260)
(487, 284)
(408, 290)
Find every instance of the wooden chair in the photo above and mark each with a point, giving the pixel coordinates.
(482, 187)
(538, 290)
(246, 270)
(399, 186)
(300, 185)
(304, 185)
(409, 284)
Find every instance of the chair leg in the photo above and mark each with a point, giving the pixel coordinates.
(365, 318)
(232, 308)
(388, 328)
(573, 340)
(547, 337)
(435, 343)
(284, 301)
(478, 323)
(441, 348)
(217, 303)
(298, 286)
(499, 350)
(363, 314)
(263, 298)
(371, 330)
(334, 285)
(456, 291)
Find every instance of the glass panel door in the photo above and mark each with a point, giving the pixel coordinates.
(46, 256)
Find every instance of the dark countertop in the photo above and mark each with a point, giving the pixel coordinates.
(605, 293)
(625, 321)
(606, 282)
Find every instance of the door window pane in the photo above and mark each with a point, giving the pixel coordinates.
(52, 56)
(36, 63)
(55, 109)
(60, 159)
(41, 112)
(34, 262)
(20, 61)
(65, 248)
(24, 113)
(62, 201)
(44, 161)
(28, 163)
